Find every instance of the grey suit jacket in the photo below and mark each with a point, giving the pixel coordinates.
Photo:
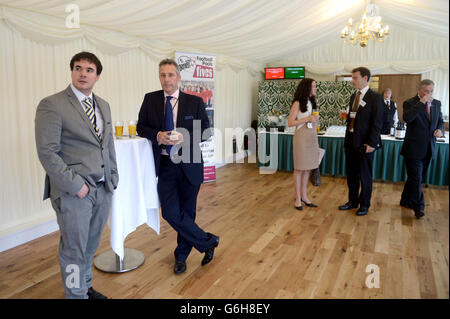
(68, 147)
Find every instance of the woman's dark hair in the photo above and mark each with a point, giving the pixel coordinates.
(302, 94)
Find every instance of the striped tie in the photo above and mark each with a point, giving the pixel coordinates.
(87, 102)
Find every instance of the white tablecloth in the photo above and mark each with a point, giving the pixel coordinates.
(339, 131)
(135, 201)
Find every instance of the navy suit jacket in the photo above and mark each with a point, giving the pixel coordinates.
(190, 108)
(368, 121)
(420, 128)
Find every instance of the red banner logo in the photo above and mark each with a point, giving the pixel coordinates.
(203, 72)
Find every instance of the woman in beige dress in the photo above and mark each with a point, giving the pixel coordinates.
(306, 145)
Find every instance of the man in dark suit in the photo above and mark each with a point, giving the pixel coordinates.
(390, 114)
(178, 159)
(75, 145)
(362, 138)
(423, 118)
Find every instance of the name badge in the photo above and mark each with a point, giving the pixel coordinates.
(189, 117)
(362, 103)
(352, 115)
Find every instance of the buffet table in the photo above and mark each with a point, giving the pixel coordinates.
(388, 164)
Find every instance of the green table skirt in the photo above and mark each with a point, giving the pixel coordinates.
(388, 164)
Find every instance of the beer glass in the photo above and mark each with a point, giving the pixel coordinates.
(119, 129)
(132, 128)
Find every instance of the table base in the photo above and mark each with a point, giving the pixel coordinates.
(110, 262)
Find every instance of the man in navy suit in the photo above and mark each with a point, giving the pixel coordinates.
(362, 138)
(423, 117)
(176, 123)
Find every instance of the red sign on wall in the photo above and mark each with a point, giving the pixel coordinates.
(203, 72)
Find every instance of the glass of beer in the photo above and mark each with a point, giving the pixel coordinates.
(318, 123)
(119, 129)
(132, 128)
(343, 114)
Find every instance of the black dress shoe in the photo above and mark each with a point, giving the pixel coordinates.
(298, 207)
(309, 204)
(419, 213)
(179, 267)
(209, 254)
(94, 294)
(362, 211)
(348, 206)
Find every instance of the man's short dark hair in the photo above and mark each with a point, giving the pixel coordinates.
(88, 56)
(171, 62)
(363, 71)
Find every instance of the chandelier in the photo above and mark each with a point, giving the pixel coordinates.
(370, 27)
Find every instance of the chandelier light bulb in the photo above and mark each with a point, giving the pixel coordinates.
(368, 27)
(361, 29)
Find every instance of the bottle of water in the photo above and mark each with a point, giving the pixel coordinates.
(393, 130)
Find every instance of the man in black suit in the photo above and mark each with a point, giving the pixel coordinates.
(362, 138)
(423, 118)
(175, 123)
(390, 114)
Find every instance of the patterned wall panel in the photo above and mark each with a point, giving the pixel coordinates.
(275, 97)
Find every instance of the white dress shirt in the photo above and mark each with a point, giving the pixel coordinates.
(363, 92)
(98, 114)
(174, 102)
(396, 113)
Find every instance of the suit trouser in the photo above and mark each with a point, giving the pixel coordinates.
(81, 223)
(359, 173)
(412, 191)
(178, 198)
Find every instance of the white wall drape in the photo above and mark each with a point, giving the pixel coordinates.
(131, 36)
(32, 71)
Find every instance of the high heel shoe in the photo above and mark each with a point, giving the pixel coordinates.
(298, 207)
(309, 204)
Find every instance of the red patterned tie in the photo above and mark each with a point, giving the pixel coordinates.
(355, 108)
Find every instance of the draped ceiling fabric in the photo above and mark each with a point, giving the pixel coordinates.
(132, 36)
(250, 30)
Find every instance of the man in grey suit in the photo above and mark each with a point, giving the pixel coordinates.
(76, 148)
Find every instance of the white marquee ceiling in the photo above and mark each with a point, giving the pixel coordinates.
(254, 30)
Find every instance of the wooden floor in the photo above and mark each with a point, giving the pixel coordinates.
(267, 248)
